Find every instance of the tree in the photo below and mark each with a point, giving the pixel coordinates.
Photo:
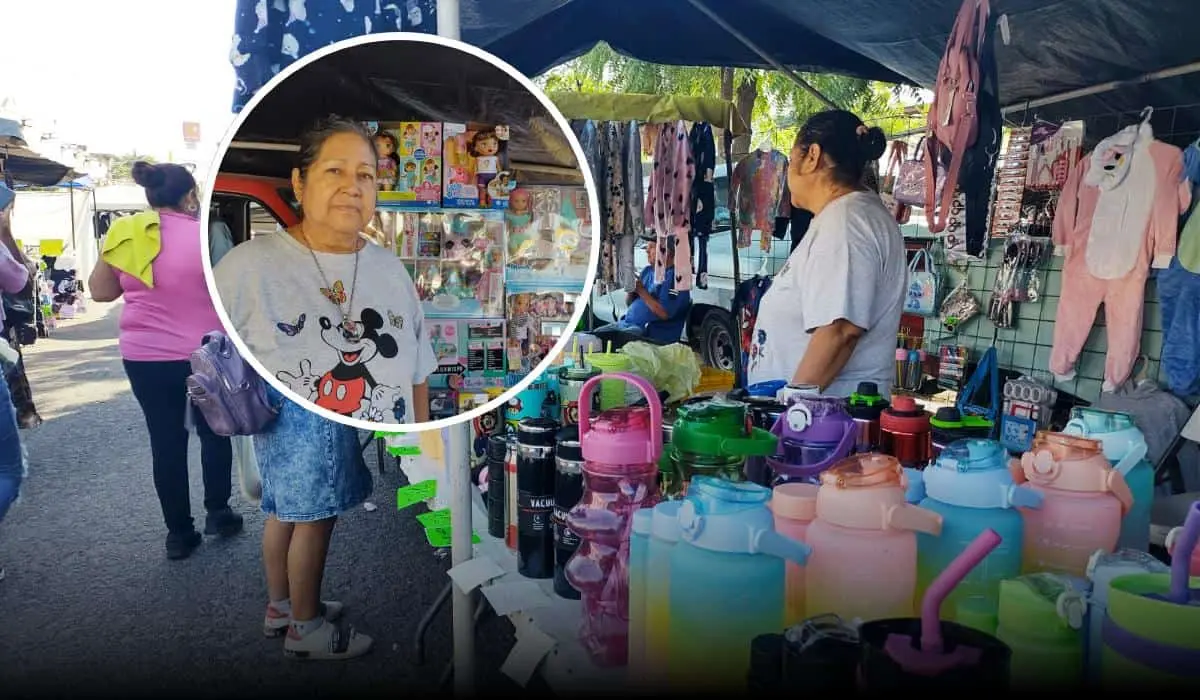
(770, 102)
(120, 167)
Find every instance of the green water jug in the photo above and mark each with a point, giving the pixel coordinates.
(712, 437)
(1041, 618)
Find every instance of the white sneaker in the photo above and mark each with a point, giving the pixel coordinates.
(276, 622)
(328, 642)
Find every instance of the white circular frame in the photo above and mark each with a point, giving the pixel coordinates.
(584, 294)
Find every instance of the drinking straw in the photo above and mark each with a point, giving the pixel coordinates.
(1181, 559)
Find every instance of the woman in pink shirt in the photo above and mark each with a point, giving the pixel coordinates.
(167, 313)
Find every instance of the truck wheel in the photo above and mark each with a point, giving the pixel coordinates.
(717, 344)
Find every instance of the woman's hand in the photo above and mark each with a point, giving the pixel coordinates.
(828, 352)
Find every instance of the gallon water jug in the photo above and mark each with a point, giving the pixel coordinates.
(713, 437)
(948, 425)
(727, 583)
(864, 543)
(1083, 501)
(1125, 447)
(639, 561)
(664, 534)
(972, 488)
(814, 433)
(905, 433)
(1103, 567)
(794, 506)
(1151, 635)
(620, 449)
(866, 405)
(1041, 620)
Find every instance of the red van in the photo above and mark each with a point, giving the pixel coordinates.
(253, 204)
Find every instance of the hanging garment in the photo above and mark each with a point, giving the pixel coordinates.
(611, 135)
(704, 152)
(1116, 217)
(668, 201)
(132, 244)
(1179, 299)
(635, 200)
(792, 220)
(1160, 416)
(589, 138)
(758, 182)
(269, 36)
(1189, 235)
(745, 309)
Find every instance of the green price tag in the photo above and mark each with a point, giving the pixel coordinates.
(436, 518)
(440, 536)
(411, 495)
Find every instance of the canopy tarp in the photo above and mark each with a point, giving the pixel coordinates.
(654, 109)
(1053, 47)
(390, 81)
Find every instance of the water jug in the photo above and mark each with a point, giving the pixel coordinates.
(794, 507)
(639, 561)
(866, 404)
(864, 543)
(905, 433)
(764, 410)
(621, 447)
(1083, 501)
(1103, 567)
(1041, 618)
(713, 437)
(1151, 635)
(972, 488)
(814, 433)
(664, 534)
(948, 425)
(1125, 447)
(570, 381)
(790, 393)
(727, 583)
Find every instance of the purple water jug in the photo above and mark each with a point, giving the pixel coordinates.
(815, 432)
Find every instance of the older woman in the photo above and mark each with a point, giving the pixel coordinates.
(831, 315)
(339, 321)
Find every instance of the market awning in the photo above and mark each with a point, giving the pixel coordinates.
(650, 108)
(28, 168)
(1054, 47)
(402, 81)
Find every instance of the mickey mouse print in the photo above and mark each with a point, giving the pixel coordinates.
(363, 365)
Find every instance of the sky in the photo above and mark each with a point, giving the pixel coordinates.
(116, 89)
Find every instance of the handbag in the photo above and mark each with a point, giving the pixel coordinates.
(226, 390)
(910, 183)
(19, 309)
(921, 298)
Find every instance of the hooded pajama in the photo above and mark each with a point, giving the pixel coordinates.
(1116, 217)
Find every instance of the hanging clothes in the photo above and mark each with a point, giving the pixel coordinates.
(668, 200)
(1189, 234)
(792, 220)
(1160, 416)
(1117, 217)
(704, 152)
(635, 200)
(758, 182)
(745, 309)
(1179, 300)
(589, 138)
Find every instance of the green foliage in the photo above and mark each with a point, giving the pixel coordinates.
(119, 170)
(780, 105)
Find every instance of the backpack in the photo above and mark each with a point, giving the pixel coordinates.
(226, 390)
(953, 118)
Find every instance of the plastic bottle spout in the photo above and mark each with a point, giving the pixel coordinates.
(1021, 496)
(915, 491)
(776, 545)
(915, 519)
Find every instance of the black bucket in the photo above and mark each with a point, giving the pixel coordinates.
(879, 671)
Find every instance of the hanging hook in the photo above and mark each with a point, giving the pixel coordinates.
(1146, 113)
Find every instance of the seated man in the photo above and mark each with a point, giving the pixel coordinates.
(656, 312)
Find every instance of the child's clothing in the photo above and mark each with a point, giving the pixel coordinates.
(668, 201)
(758, 183)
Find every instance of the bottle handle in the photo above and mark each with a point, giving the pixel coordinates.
(1131, 458)
(647, 389)
(1114, 482)
(777, 545)
(905, 516)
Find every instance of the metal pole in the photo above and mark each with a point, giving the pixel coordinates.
(448, 19)
(744, 40)
(1163, 74)
(458, 462)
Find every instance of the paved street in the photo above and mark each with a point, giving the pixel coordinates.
(91, 605)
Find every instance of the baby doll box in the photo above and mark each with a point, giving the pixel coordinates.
(410, 164)
(475, 170)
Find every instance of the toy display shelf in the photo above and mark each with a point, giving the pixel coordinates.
(567, 669)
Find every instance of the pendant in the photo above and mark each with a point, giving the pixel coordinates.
(347, 324)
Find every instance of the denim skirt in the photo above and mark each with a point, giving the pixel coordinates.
(12, 466)
(312, 468)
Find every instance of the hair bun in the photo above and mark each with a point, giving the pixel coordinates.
(147, 175)
(872, 144)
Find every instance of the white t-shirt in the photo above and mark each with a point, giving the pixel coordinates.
(850, 265)
(279, 304)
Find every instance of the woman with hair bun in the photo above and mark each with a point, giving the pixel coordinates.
(153, 259)
(831, 315)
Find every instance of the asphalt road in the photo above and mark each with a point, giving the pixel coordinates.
(91, 606)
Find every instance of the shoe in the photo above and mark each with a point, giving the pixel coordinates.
(180, 545)
(328, 642)
(223, 522)
(276, 623)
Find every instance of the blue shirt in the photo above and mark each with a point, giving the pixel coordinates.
(675, 303)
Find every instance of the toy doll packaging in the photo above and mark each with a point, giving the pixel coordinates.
(476, 173)
(410, 163)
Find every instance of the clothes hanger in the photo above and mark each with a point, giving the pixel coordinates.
(1147, 112)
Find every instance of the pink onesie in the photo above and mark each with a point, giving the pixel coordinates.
(1117, 216)
(668, 201)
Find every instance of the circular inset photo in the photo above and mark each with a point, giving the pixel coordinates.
(400, 232)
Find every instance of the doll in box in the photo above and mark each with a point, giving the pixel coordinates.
(431, 140)
(485, 149)
(408, 178)
(458, 167)
(408, 138)
(431, 174)
(388, 163)
(519, 220)
(566, 242)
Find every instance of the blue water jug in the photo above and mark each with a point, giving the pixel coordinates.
(1124, 446)
(726, 583)
(972, 488)
(639, 560)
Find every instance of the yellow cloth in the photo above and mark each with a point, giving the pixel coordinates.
(132, 244)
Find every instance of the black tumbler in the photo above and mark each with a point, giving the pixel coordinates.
(766, 664)
(497, 450)
(568, 489)
(535, 497)
(879, 671)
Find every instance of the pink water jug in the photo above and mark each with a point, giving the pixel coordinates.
(794, 507)
(1083, 501)
(864, 543)
(621, 448)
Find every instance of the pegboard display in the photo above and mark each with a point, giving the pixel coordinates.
(1026, 347)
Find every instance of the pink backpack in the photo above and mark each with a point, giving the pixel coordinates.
(953, 119)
